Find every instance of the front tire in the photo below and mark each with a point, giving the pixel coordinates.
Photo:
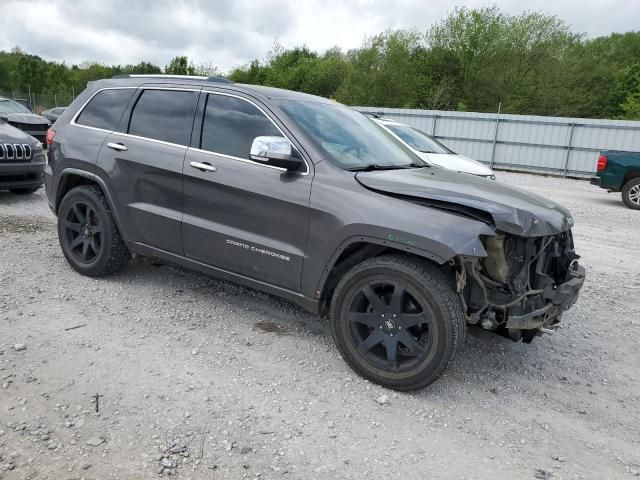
(397, 321)
(631, 194)
(88, 234)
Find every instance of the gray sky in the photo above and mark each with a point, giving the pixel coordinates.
(228, 33)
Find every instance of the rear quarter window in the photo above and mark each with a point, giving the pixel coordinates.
(105, 109)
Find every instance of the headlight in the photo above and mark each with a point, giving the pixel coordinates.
(38, 147)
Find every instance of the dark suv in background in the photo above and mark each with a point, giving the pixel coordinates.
(22, 161)
(19, 116)
(307, 199)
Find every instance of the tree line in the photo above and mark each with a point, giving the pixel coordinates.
(472, 60)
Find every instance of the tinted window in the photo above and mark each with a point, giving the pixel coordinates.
(230, 125)
(164, 115)
(105, 109)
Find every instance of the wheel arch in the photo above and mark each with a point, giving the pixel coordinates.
(355, 250)
(71, 178)
(630, 175)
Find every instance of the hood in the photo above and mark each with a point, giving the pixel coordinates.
(456, 162)
(28, 118)
(9, 134)
(512, 210)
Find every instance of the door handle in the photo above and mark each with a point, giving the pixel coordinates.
(203, 167)
(117, 146)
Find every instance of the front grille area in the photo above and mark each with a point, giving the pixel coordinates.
(15, 152)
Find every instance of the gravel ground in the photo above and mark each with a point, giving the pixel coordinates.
(204, 379)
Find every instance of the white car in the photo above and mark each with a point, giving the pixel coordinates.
(432, 151)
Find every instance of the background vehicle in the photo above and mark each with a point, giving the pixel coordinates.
(21, 117)
(432, 151)
(217, 177)
(53, 113)
(22, 161)
(620, 172)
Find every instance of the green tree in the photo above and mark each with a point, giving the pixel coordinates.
(626, 92)
(180, 66)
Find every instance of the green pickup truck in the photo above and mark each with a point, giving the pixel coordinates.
(620, 172)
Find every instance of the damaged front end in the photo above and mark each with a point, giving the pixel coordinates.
(523, 285)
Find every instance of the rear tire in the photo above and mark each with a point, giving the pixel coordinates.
(24, 191)
(397, 321)
(88, 234)
(631, 194)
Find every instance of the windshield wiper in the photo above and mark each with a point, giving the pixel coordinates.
(375, 166)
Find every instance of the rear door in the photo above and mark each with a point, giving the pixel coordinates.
(143, 161)
(240, 215)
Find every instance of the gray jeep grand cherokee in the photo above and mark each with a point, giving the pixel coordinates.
(306, 199)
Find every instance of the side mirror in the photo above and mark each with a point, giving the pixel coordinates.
(275, 151)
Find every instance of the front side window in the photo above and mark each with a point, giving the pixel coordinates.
(230, 125)
(165, 115)
(105, 109)
(418, 140)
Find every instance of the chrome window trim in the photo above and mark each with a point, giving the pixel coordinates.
(231, 157)
(162, 142)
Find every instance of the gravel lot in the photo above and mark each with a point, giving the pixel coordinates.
(204, 379)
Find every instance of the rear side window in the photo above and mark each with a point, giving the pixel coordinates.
(164, 115)
(230, 125)
(105, 109)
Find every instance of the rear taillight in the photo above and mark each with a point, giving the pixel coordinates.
(50, 134)
(602, 163)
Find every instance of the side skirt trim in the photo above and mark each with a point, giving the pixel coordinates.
(307, 303)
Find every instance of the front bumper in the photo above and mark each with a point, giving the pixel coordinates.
(21, 175)
(545, 309)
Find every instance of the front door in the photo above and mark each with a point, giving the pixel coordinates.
(239, 215)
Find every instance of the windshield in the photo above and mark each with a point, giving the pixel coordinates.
(418, 140)
(348, 138)
(9, 106)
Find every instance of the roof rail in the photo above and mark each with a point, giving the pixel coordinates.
(162, 75)
(219, 80)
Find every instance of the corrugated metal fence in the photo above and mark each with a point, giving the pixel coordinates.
(554, 145)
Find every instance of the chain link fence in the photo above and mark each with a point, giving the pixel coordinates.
(37, 102)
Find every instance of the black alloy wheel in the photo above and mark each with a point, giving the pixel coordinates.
(83, 232)
(389, 327)
(397, 321)
(88, 233)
